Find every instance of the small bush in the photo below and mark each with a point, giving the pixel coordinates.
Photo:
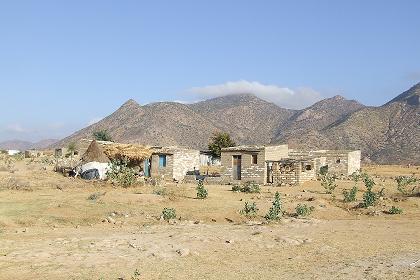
(350, 196)
(323, 170)
(121, 174)
(275, 212)
(95, 196)
(370, 197)
(328, 183)
(395, 210)
(168, 214)
(248, 187)
(250, 209)
(202, 193)
(161, 191)
(304, 210)
(407, 185)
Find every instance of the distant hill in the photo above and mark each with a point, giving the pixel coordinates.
(386, 134)
(25, 145)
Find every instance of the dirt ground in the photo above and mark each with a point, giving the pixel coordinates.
(53, 227)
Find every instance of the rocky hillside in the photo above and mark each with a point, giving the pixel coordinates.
(386, 134)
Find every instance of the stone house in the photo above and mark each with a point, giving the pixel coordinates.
(338, 162)
(248, 163)
(173, 163)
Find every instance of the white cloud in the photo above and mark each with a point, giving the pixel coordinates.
(297, 98)
(94, 120)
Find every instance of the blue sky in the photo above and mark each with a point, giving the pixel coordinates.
(64, 64)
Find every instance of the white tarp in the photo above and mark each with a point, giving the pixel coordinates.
(101, 167)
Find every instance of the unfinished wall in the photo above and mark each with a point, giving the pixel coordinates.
(166, 172)
(275, 153)
(184, 161)
(249, 171)
(293, 172)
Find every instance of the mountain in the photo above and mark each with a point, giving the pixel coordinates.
(26, 145)
(247, 118)
(385, 134)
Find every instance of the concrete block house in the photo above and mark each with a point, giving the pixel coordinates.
(173, 163)
(248, 163)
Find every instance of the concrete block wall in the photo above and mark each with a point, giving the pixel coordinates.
(354, 159)
(249, 171)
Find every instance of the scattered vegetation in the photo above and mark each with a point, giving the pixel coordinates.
(328, 183)
(395, 210)
(350, 196)
(121, 174)
(136, 275)
(102, 135)
(275, 212)
(302, 210)
(248, 187)
(408, 185)
(250, 209)
(168, 214)
(218, 141)
(202, 193)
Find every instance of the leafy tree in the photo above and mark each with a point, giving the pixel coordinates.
(218, 141)
(102, 135)
(72, 148)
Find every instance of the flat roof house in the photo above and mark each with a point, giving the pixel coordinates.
(173, 163)
(248, 163)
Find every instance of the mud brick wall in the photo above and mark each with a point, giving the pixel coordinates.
(274, 153)
(184, 161)
(162, 172)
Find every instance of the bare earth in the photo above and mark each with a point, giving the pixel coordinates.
(49, 229)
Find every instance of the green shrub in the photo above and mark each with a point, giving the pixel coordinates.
(168, 214)
(407, 185)
(395, 210)
(350, 196)
(304, 210)
(202, 193)
(236, 188)
(328, 183)
(370, 197)
(275, 212)
(102, 135)
(121, 174)
(250, 209)
(248, 187)
(323, 170)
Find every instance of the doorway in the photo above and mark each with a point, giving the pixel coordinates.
(236, 167)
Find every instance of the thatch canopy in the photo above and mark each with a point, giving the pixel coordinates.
(94, 153)
(131, 152)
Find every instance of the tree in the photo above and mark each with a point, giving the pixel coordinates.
(102, 135)
(218, 141)
(72, 148)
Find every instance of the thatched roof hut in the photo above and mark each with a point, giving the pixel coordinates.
(131, 152)
(94, 153)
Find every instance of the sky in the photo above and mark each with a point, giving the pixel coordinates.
(67, 64)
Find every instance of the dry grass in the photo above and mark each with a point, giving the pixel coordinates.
(56, 230)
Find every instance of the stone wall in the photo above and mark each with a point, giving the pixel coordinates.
(354, 162)
(275, 153)
(165, 173)
(184, 161)
(249, 171)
